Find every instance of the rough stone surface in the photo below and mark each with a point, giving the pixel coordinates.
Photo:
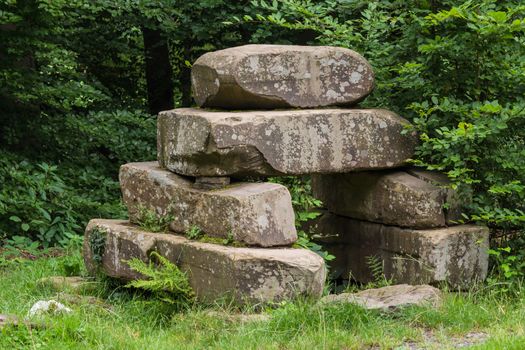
(198, 142)
(280, 76)
(215, 271)
(457, 255)
(453, 199)
(211, 183)
(390, 297)
(389, 197)
(254, 213)
(232, 317)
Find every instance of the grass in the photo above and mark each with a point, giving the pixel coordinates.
(135, 321)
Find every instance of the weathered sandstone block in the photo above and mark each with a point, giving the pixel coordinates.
(198, 142)
(280, 76)
(454, 200)
(457, 255)
(390, 297)
(388, 197)
(214, 271)
(253, 213)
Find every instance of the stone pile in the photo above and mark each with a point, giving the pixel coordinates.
(204, 154)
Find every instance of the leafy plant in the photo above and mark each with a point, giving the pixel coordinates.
(97, 244)
(507, 262)
(164, 279)
(151, 221)
(305, 205)
(229, 240)
(194, 232)
(304, 241)
(16, 244)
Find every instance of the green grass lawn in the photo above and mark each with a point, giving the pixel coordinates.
(135, 321)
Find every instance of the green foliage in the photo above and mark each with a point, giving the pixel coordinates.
(455, 68)
(194, 232)
(72, 263)
(65, 126)
(34, 201)
(375, 264)
(149, 220)
(305, 208)
(509, 266)
(305, 241)
(507, 261)
(304, 203)
(97, 243)
(73, 95)
(164, 280)
(17, 244)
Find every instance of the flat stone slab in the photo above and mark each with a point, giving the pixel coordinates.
(390, 297)
(389, 197)
(198, 142)
(253, 213)
(281, 76)
(456, 255)
(247, 275)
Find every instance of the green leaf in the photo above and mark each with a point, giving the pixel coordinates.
(15, 218)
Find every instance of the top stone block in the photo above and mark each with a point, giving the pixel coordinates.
(281, 76)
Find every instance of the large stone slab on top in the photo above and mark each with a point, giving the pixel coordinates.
(280, 76)
(394, 197)
(253, 213)
(215, 271)
(199, 142)
(456, 255)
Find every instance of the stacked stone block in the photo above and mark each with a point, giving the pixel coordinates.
(406, 219)
(270, 110)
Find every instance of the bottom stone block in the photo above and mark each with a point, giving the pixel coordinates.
(457, 255)
(251, 275)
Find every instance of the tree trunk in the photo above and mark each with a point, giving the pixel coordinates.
(158, 71)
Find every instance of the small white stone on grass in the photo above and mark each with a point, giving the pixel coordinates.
(48, 306)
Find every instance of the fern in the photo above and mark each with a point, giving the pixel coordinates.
(378, 272)
(164, 280)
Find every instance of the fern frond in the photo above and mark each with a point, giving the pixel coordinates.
(378, 272)
(165, 279)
